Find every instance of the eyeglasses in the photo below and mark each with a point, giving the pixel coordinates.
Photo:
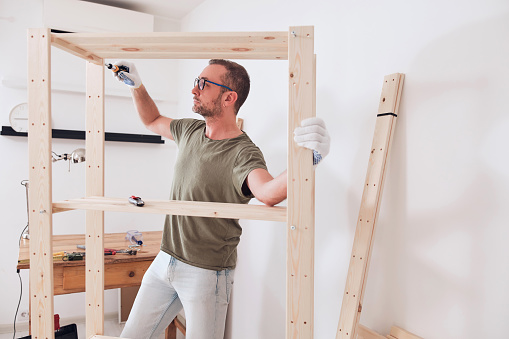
(201, 84)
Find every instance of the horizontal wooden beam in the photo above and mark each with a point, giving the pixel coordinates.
(400, 333)
(366, 333)
(174, 45)
(190, 208)
(71, 48)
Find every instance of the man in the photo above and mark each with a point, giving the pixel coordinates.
(216, 162)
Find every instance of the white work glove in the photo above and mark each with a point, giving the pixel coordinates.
(131, 78)
(313, 135)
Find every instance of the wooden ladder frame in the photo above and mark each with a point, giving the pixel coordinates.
(296, 46)
(351, 308)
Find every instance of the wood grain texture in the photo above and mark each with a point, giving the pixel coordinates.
(399, 333)
(370, 206)
(40, 197)
(192, 208)
(301, 184)
(174, 45)
(365, 333)
(120, 270)
(94, 141)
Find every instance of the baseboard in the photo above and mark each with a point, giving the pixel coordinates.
(22, 326)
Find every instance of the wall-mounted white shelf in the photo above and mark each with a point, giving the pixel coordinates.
(80, 135)
(18, 83)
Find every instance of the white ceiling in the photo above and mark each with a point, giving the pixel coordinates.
(171, 9)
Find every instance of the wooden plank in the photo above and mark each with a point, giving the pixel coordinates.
(400, 333)
(191, 51)
(40, 195)
(301, 183)
(365, 333)
(175, 45)
(191, 208)
(171, 331)
(370, 205)
(192, 38)
(94, 239)
(180, 325)
(75, 50)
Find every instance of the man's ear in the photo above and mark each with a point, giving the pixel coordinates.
(231, 98)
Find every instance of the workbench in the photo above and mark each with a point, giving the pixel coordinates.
(120, 270)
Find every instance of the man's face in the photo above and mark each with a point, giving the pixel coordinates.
(207, 102)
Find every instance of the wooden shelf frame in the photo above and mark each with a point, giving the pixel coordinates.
(295, 45)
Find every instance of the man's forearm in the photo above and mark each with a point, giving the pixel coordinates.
(269, 190)
(277, 189)
(145, 106)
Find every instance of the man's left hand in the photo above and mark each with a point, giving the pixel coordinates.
(313, 135)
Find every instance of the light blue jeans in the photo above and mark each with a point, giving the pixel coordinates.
(167, 286)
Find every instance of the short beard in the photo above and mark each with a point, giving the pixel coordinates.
(206, 112)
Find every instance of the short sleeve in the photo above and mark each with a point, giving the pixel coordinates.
(179, 128)
(248, 159)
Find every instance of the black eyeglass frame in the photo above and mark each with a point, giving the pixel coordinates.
(201, 84)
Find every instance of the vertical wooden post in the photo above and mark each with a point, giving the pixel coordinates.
(351, 307)
(40, 197)
(301, 184)
(95, 187)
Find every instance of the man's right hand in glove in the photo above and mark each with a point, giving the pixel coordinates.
(131, 78)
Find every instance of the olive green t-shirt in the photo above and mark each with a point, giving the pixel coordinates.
(208, 170)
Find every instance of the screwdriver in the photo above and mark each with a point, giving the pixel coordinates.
(117, 69)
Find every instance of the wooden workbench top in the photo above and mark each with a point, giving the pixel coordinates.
(116, 241)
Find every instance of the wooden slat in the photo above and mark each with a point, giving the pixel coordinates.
(180, 325)
(399, 333)
(191, 208)
(95, 186)
(172, 45)
(189, 38)
(39, 159)
(370, 206)
(75, 50)
(365, 333)
(301, 203)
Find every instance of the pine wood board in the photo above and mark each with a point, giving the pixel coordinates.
(40, 175)
(192, 208)
(174, 45)
(301, 184)
(370, 206)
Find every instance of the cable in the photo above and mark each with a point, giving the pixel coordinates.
(19, 302)
(21, 235)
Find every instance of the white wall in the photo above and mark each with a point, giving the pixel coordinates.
(439, 261)
(438, 266)
(131, 168)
